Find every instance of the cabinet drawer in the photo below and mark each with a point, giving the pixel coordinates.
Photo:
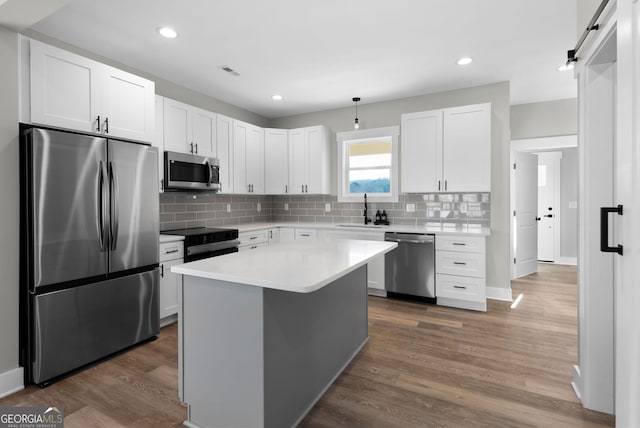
(467, 244)
(171, 250)
(460, 288)
(253, 246)
(251, 238)
(456, 263)
(306, 233)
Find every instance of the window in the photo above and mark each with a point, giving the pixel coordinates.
(368, 164)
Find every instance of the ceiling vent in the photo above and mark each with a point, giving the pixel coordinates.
(229, 70)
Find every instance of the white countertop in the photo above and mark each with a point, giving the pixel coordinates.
(170, 238)
(298, 266)
(436, 230)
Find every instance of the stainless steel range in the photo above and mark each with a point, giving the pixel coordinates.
(204, 242)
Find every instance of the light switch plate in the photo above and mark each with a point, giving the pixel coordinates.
(327, 207)
(411, 208)
(228, 208)
(259, 207)
(286, 206)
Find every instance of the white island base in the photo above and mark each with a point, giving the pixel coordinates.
(254, 356)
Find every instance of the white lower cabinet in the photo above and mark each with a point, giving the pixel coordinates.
(375, 268)
(305, 233)
(461, 272)
(287, 234)
(253, 240)
(171, 254)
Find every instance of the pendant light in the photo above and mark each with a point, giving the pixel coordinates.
(356, 123)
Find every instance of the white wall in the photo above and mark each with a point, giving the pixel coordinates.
(388, 114)
(9, 194)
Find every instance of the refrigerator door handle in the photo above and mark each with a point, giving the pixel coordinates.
(113, 196)
(102, 206)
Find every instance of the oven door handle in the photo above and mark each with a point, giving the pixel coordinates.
(214, 246)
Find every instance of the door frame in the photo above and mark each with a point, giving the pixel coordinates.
(532, 145)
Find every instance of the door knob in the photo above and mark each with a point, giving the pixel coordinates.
(548, 215)
(538, 219)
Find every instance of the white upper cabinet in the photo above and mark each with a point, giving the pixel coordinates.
(248, 158)
(447, 150)
(158, 140)
(309, 160)
(224, 150)
(70, 91)
(421, 151)
(188, 129)
(276, 161)
(466, 157)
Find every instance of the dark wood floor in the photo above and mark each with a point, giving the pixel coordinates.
(424, 366)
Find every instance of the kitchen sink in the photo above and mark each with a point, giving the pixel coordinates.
(364, 226)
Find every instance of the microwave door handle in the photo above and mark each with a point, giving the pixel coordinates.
(113, 196)
(209, 174)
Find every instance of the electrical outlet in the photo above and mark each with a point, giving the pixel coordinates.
(259, 207)
(327, 207)
(228, 208)
(411, 208)
(286, 206)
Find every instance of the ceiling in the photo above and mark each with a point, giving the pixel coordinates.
(318, 54)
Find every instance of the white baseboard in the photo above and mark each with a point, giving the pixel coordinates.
(573, 261)
(499, 293)
(11, 382)
(576, 383)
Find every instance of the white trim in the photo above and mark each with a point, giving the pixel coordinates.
(389, 131)
(544, 143)
(576, 383)
(11, 382)
(499, 293)
(571, 261)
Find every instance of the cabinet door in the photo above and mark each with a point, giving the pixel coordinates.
(467, 148)
(298, 161)
(177, 126)
(158, 140)
(318, 180)
(128, 103)
(204, 132)
(240, 134)
(63, 88)
(276, 161)
(224, 149)
(287, 234)
(274, 235)
(421, 152)
(169, 287)
(255, 159)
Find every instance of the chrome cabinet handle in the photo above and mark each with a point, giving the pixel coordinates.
(196, 148)
(106, 125)
(459, 243)
(253, 237)
(162, 271)
(98, 120)
(171, 252)
(438, 185)
(460, 287)
(191, 148)
(459, 263)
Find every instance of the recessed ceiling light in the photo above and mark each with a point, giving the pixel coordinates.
(565, 67)
(276, 97)
(464, 61)
(167, 32)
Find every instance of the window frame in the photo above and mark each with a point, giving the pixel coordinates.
(343, 139)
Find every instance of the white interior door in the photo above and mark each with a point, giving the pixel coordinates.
(548, 205)
(526, 207)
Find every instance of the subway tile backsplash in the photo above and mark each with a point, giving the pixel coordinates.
(181, 209)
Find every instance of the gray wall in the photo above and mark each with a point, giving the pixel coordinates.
(163, 87)
(9, 190)
(550, 118)
(388, 113)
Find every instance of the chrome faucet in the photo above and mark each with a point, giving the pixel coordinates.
(367, 220)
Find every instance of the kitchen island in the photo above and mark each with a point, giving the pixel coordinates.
(264, 333)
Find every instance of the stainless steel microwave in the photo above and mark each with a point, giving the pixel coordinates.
(191, 172)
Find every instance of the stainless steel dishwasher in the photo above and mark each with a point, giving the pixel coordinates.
(409, 269)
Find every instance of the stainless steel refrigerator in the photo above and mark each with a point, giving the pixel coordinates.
(89, 249)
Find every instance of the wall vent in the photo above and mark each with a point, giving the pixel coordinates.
(229, 70)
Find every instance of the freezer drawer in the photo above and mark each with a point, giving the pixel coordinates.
(77, 326)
